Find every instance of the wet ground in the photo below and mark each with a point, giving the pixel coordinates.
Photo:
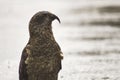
(88, 36)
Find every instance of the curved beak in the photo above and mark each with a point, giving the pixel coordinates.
(56, 17)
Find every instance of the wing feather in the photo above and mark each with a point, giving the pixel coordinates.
(22, 67)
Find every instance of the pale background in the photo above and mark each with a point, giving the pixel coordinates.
(89, 36)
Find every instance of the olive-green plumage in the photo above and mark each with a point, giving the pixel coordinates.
(41, 58)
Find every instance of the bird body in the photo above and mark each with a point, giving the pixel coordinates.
(41, 58)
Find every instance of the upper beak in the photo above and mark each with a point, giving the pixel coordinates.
(56, 17)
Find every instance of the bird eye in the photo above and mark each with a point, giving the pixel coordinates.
(44, 15)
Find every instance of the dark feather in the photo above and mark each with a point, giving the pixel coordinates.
(22, 67)
(41, 58)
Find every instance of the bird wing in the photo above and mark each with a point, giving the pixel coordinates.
(22, 66)
(59, 58)
(60, 52)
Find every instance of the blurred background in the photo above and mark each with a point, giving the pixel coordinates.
(89, 36)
